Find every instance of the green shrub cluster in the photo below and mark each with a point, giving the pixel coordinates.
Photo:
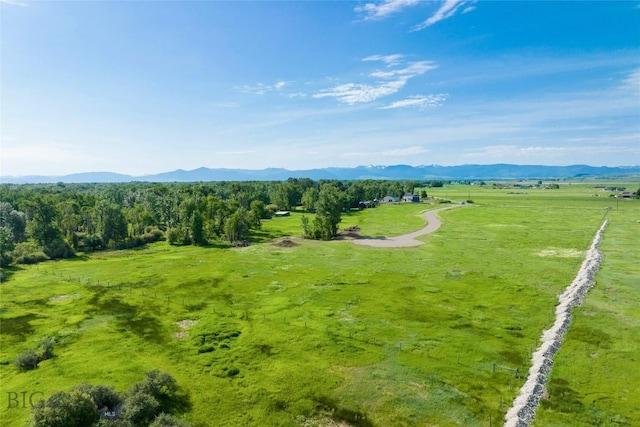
(32, 253)
(151, 236)
(28, 253)
(58, 249)
(152, 402)
(29, 359)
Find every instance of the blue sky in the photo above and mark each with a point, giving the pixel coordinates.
(146, 87)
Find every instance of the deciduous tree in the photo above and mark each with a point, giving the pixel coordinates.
(111, 223)
(331, 202)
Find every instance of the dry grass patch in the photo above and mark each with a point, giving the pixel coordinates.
(560, 253)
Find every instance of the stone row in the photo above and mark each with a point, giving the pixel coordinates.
(525, 405)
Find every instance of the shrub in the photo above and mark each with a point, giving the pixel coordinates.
(233, 372)
(93, 242)
(307, 229)
(33, 258)
(166, 420)
(118, 422)
(5, 261)
(103, 396)
(58, 249)
(46, 348)
(87, 242)
(160, 385)
(73, 409)
(140, 408)
(144, 404)
(27, 360)
(28, 253)
(173, 235)
(153, 235)
(133, 242)
(206, 349)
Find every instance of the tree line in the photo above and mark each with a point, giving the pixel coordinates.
(52, 221)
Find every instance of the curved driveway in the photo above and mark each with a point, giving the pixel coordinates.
(407, 240)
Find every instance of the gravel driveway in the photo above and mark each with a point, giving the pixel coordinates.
(410, 239)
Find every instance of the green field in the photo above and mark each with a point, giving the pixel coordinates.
(298, 333)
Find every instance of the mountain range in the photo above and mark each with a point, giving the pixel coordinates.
(394, 172)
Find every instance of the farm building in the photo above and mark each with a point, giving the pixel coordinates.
(625, 195)
(367, 204)
(408, 197)
(389, 199)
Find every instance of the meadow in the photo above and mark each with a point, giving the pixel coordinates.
(298, 332)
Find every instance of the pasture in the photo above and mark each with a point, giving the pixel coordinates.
(298, 332)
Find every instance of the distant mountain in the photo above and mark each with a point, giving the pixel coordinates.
(427, 172)
(68, 179)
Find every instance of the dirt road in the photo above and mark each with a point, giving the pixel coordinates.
(407, 240)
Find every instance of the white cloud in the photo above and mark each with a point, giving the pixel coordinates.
(570, 154)
(258, 89)
(261, 88)
(390, 60)
(508, 151)
(402, 152)
(632, 82)
(395, 152)
(387, 83)
(381, 10)
(412, 70)
(352, 93)
(419, 101)
(447, 10)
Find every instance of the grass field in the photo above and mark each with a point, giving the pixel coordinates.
(293, 335)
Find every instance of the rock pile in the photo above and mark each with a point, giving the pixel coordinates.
(525, 405)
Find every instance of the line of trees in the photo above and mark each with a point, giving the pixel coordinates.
(53, 221)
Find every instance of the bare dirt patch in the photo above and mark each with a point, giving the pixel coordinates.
(285, 242)
(184, 326)
(323, 421)
(64, 297)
